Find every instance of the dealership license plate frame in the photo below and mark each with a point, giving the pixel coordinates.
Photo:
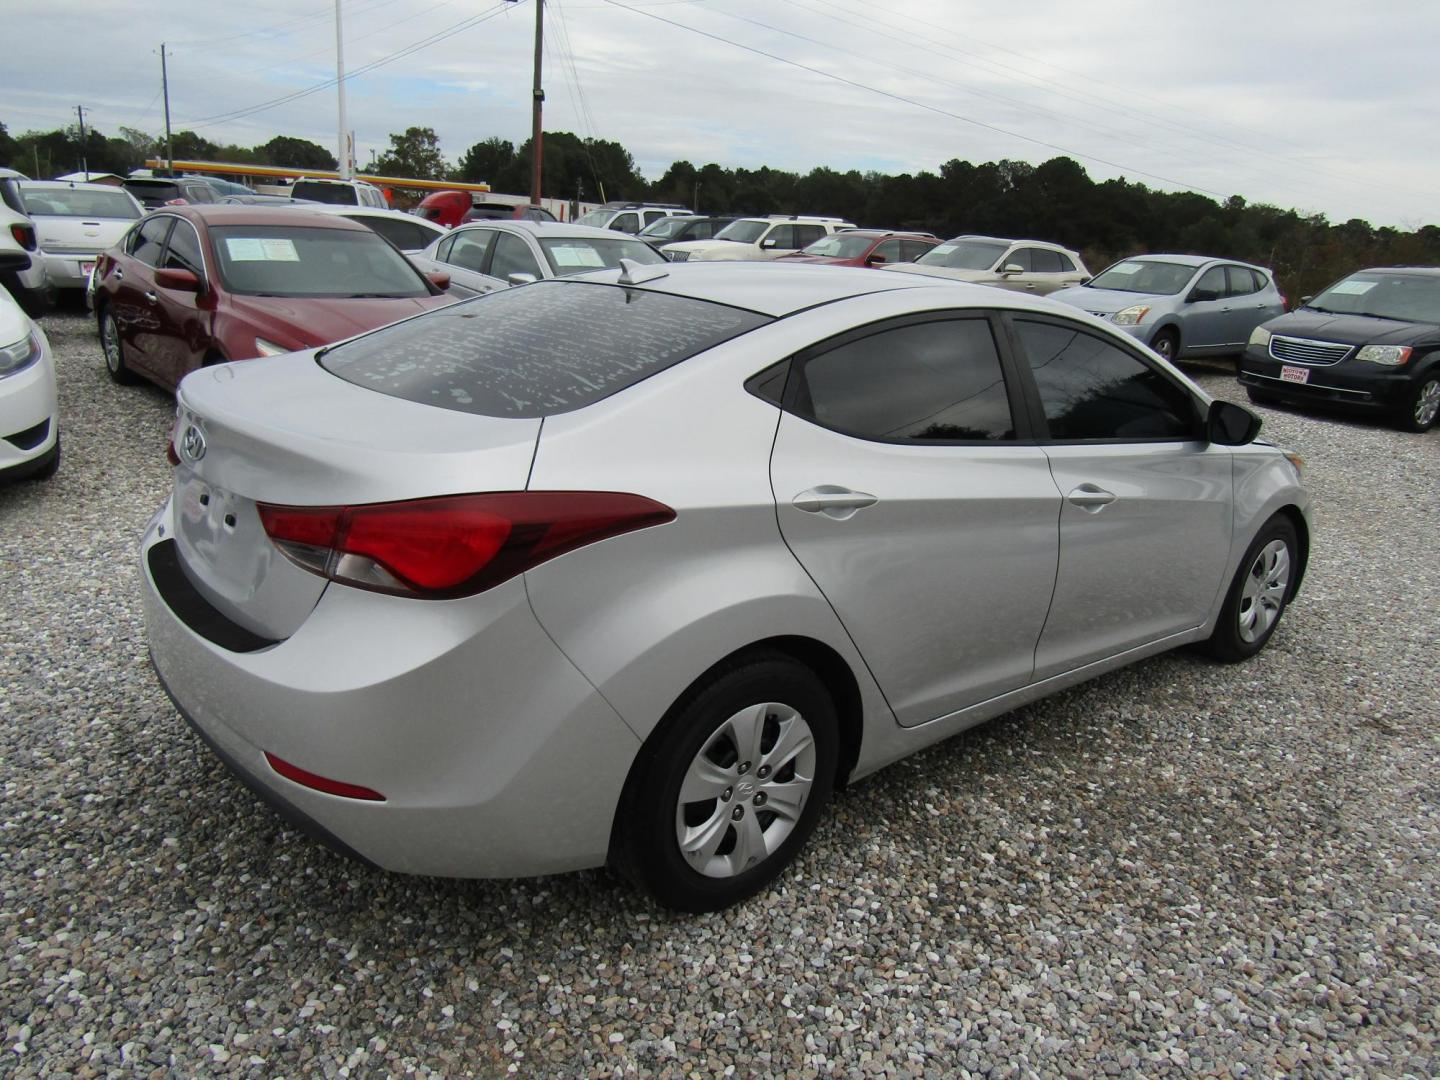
(1291, 374)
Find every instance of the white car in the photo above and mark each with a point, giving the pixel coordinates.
(338, 192)
(487, 255)
(406, 231)
(630, 217)
(29, 429)
(1032, 266)
(74, 223)
(22, 266)
(753, 239)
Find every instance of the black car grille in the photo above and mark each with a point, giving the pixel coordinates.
(1305, 351)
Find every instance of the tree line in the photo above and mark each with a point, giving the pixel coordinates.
(1056, 200)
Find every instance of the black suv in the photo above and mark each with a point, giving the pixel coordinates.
(153, 191)
(1371, 340)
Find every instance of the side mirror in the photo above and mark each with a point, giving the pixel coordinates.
(1086, 280)
(1305, 300)
(521, 279)
(1012, 268)
(875, 260)
(178, 280)
(439, 279)
(1200, 295)
(1228, 424)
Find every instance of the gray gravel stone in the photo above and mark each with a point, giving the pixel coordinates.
(1180, 867)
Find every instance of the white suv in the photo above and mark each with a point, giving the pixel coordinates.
(338, 192)
(754, 238)
(630, 217)
(22, 263)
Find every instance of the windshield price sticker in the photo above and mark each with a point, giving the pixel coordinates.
(1126, 268)
(1353, 288)
(576, 255)
(943, 249)
(253, 249)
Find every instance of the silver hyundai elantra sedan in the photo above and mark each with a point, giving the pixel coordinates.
(638, 567)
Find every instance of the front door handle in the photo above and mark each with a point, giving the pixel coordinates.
(152, 298)
(834, 502)
(1091, 498)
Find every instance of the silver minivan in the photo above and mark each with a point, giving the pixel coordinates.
(1181, 305)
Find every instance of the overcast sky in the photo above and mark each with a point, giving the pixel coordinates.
(1326, 107)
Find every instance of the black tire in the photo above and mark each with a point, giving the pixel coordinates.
(1167, 343)
(112, 348)
(647, 841)
(1422, 406)
(1260, 397)
(1257, 598)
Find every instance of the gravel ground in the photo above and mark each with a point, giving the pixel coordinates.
(1180, 867)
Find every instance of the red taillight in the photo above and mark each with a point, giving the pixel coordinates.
(24, 236)
(454, 545)
(321, 783)
(1284, 303)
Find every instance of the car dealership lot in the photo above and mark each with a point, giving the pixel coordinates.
(1184, 862)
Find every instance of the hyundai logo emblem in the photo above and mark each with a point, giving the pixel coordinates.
(192, 445)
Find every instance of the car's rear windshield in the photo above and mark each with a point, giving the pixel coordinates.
(536, 350)
(580, 254)
(286, 260)
(152, 192)
(79, 202)
(1149, 276)
(334, 194)
(963, 255)
(1404, 297)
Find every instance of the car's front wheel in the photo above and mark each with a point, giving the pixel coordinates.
(1422, 406)
(1166, 343)
(730, 785)
(114, 348)
(1257, 598)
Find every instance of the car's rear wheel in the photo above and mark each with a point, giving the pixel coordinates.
(1257, 598)
(1166, 343)
(114, 348)
(730, 785)
(1422, 406)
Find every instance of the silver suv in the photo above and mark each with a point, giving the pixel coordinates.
(630, 217)
(752, 239)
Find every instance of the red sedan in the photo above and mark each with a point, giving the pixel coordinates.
(196, 285)
(865, 247)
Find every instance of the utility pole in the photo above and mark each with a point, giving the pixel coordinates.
(344, 128)
(84, 161)
(165, 89)
(537, 135)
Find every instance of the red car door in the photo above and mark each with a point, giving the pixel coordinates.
(183, 339)
(131, 284)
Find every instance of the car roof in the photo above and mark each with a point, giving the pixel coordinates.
(346, 210)
(252, 214)
(888, 234)
(65, 185)
(779, 289)
(543, 230)
(1190, 260)
(1002, 240)
(1423, 271)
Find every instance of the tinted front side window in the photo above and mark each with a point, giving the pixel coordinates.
(927, 381)
(149, 238)
(1044, 262)
(1092, 389)
(1212, 282)
(1242, 281)
(512, 256)
(468, 249)
(184, 250)
(548, 348)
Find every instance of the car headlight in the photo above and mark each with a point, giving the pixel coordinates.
(21, 355)
(1389, 355)
(269, 348)
(1260, 336)
(1131, 315)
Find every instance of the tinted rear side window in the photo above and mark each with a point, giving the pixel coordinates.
(547, 348)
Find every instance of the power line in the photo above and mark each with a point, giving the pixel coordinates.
(408, 50)
(917, 104)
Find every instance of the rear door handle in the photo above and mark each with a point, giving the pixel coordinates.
(834, 502)
(1091, 498)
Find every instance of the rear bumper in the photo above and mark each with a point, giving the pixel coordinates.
(69, 270)
(495, 756)
(1353, 383)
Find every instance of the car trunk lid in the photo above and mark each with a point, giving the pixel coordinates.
(283, 431)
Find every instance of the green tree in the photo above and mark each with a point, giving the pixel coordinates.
(295, 153)
(9, 148)
(488, 162)
(415, 153)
